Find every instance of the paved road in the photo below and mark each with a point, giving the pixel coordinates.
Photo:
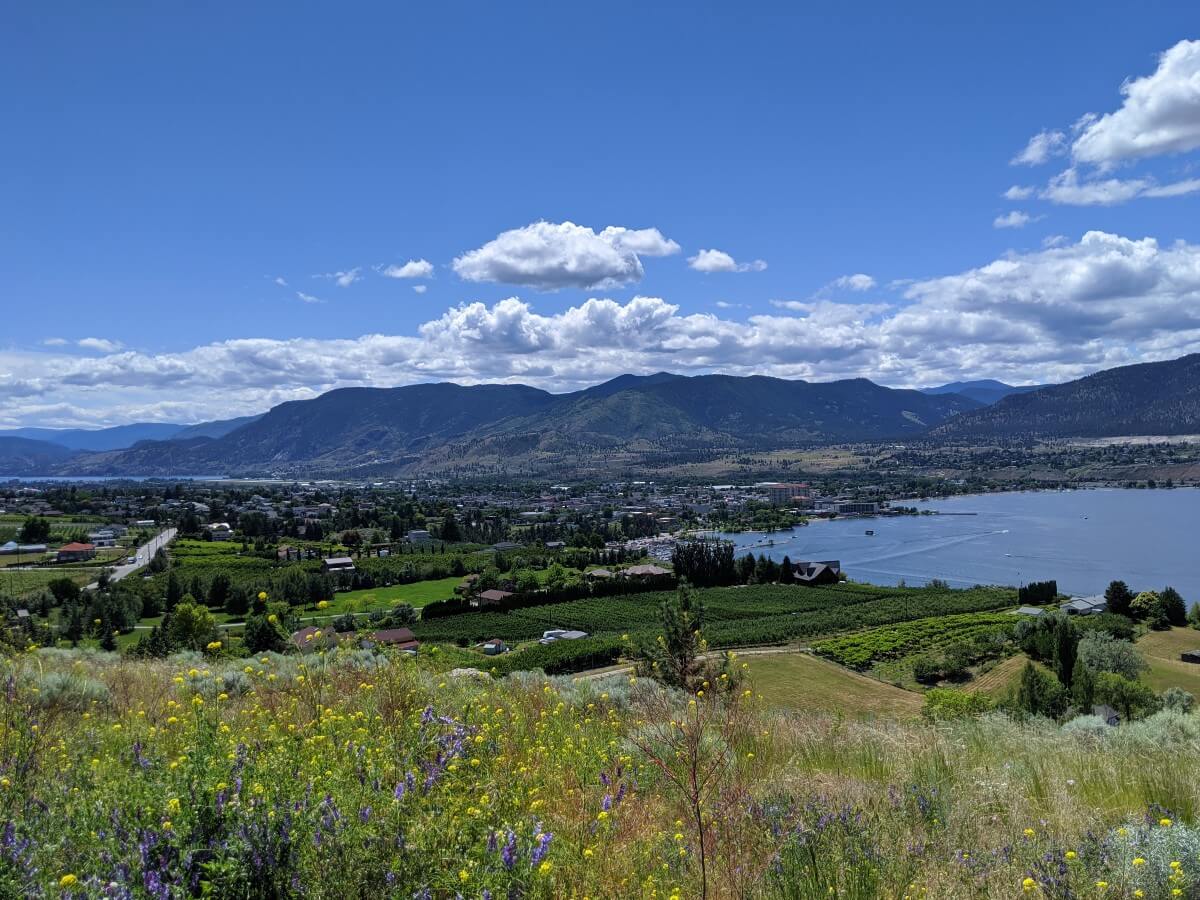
(144, 554)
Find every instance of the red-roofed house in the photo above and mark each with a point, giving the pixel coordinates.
(75, 552)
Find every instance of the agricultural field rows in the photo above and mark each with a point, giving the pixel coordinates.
(862, 649)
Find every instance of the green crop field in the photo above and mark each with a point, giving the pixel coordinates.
(862, 649)
(799, 681)
(416, 594)
(734, 616)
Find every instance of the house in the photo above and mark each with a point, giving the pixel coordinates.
(1030, 611)
(75, 552)
(561, 634)
(103, 539)
(220, 531)
(337, 564)
(506, 545)
(823, 572)
(1190, 656)
(490, 597)
(419, 536)
(494, 647)
(555, 545)
(401, 638)
(312, 638)
(144, 523)
(1085, 606)
(599, 574)
(10, 547)
(645, 571)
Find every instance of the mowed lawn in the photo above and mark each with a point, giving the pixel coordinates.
(1161, 650)
(416, 594)
(802, 681)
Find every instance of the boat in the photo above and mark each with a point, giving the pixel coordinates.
(870, 532)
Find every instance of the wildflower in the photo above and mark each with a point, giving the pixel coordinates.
(1029, 832)
(545, 867)
(272, 618)
(1028, 884)
(67, 880)
(1071, 854)
(1139, 861)
(1165, 823)
(1176, 864)
(1101, 885)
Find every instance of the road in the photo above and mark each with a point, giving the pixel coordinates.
(609, 672)
(144, 554)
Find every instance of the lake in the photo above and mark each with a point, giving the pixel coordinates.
(1084, 539)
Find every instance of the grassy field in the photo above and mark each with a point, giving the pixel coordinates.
(19, 584)
(1161, 650)
(997, 681)
(803, 682)
(416, 594)
(546, 788)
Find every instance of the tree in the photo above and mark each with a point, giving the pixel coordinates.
(787, 574)
(1131, 699)
(239, 600)
(174, 591)
(1172, 606)
(1083, 686)
(450, 531)
(159, 562)
(946, 704)
(676, 657)
(35, 530)
(1193, 616)
(64, 590)
(1143, 604)
(1100, 652)
(218, 590)
(1119, 598)
(192, 625)
(262, 635)
(1039, 693)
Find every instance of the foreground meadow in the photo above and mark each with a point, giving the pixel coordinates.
(352, 775)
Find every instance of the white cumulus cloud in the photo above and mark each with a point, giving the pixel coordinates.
(1044, 315)
(414, 268)
(1160, 114)
(709, 261)
(101, 345)
(549, 256)
(1041, 147)
(1013, 219)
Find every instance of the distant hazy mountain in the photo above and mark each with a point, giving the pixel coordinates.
(24, 456)
(120, 437)
(1150, 398)
(114, 438)
(216, 429)
(450, 428)
(986, 391)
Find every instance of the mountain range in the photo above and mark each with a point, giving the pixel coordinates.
(1160, 398)
(987, 391)
(626, 424)
(485, 429)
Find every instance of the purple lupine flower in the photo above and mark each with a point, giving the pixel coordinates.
(541, 848)
(508, 854)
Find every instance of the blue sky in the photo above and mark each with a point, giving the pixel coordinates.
(180, 187)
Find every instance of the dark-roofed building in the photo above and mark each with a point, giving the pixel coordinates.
(824, 572)
(1190, 656)
(401, 638)
(337, 564)
(312, 638)
(490, 597)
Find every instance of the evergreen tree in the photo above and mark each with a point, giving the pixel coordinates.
(1039, 693)
(1119, 597)
(1173, 607)
(174, 591)
(787, 574)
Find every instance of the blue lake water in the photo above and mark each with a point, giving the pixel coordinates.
(1083, 539)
